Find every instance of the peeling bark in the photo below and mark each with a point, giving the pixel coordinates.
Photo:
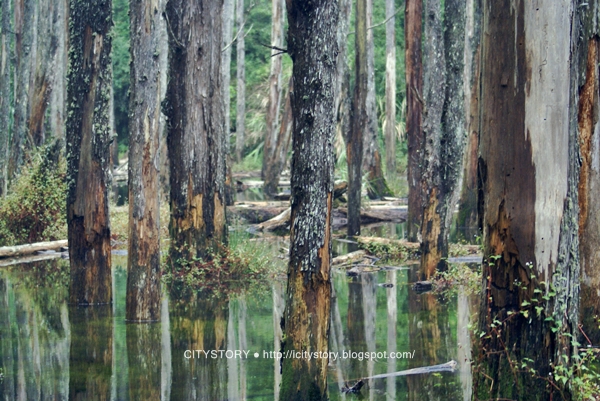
(143, 261)
(529, 173)
(313, 48)
(194, 111)
(414, 103)
(88, 138)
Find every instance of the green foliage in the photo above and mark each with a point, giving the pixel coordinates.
(34, 209)
(120, 64)
(459, 277)
(228, 271)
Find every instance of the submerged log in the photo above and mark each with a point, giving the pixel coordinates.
(27, 249)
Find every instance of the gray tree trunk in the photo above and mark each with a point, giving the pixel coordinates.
(228, 17)
(88, 138)
(359, 120)
(24, 36)
(532, 112)
(390, 89)
(194, 110)
(342, 84)
(58, 69)
(143, 262)
(240, 126)
(313, 48)
(274, 104)
(5, 94)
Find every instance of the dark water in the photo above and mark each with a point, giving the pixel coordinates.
(49, 350)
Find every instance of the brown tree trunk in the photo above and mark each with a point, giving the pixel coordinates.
(275, 89)
(143, 261)
(431, 178)
(282, 143)
(194, 112)
(5, 94)
(88, 138)
(240, 126)
(414, 103)
(529, 175)
(306, 316)
(24, 37)
(359, 120)
(390, 89)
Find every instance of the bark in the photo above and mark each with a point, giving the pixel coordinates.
(24, 40)
(313, 48)
(529, 175)
(414, 103)
(228, 16)
(467, 210)
(589, 185)
(58, 68)
(240, 125)
(376, 184)
(88, 139)
(277, 161)
(194, 111)
(342, 84)
(143, 261)
(5, 94)
(431, 179)
(390, 89)
(275, 89)
(359, 120)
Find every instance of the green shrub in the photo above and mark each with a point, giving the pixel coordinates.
(34, 209)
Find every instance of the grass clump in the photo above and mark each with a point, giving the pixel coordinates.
(35, 208)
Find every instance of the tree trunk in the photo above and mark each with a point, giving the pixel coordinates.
(88, 138)
(466, 223)
(390, 89)
(414, 103)
(431, 179)
(342, 84)
(228, 16)
(58, 69)
(240, 125)
(282, 143)
(313, 48)
(275, 89)
(194, 112)
(529, 175)
(24, 37)
(376, 184)
(589, 185)
(5, 94)
(143, 261)
(359, 120)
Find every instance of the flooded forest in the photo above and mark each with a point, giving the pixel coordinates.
(300, 200)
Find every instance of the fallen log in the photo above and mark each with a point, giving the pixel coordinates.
(27, 249)
(413, 248)
(372, 215)
(338, 260)
(253, 214)
(29, 259)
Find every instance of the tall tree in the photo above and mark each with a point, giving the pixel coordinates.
(194, 111)
(342, 84)
(414, 103)
(24, 40)
(5, 94)
(533, 63)
(143, 261)
(58, 68)
(240, 125)
(88, 138)
(274, 104)
(359, 119)
(444, 127)
(376, 184)
(313, 48)
(390, 89)
(228, 17)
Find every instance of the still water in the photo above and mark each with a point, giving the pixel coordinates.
(49, 350)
